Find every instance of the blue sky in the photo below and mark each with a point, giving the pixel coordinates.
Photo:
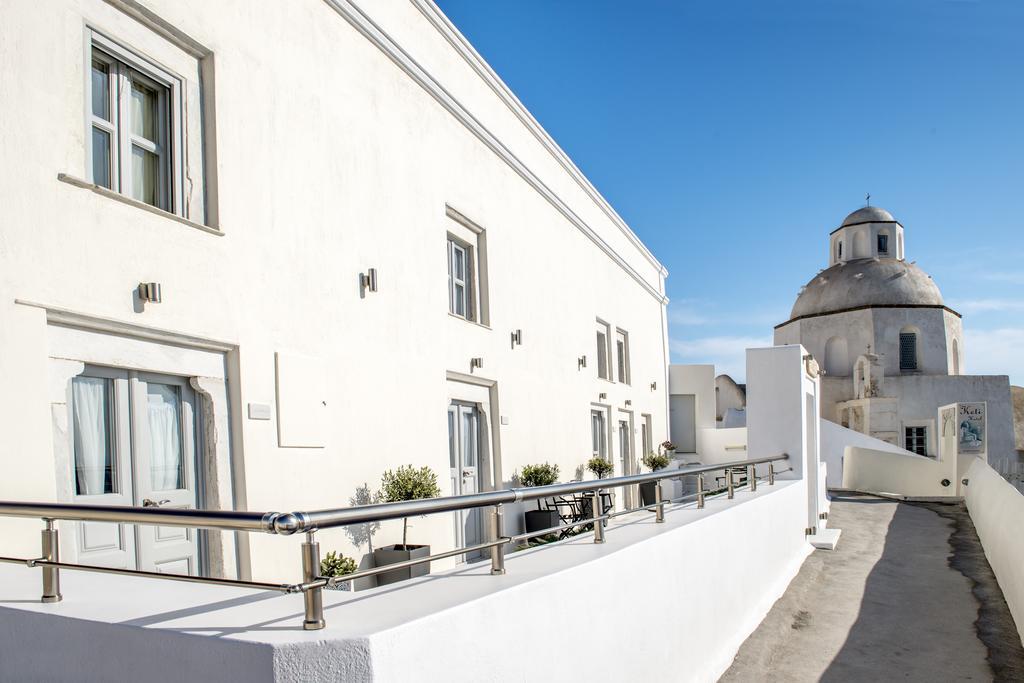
(734, 136)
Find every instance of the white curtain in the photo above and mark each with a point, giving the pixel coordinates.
(91, 437)
(165, 436)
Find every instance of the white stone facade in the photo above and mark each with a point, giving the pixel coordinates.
(309, 142)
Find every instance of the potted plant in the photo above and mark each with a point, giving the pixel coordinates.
(600, 467)
(405, 483)
(335, 564)
(539, 475)
(654, 462)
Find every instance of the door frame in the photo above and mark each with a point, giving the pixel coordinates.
(629, 459)
(75, 340)
(456, 406)
(132, 456)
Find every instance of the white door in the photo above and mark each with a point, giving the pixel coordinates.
(626, 458)
(134, 443)
(683, 422)
(464, 455)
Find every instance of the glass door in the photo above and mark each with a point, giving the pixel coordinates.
(134, 443)
(464, 455)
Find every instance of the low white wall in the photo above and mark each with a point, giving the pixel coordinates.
(997, 510)
(678, 615)
(902, 474)
(671, 601)
(721, 445)
(834, 440)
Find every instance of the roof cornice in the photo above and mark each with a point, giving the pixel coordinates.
(867, 306)
(850, 225)
(451, 33)
(377, 36)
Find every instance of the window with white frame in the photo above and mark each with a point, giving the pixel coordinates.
(468, 293)
(134, 123)
(645, 436)
(603, 350)
(460, 279)
(599, 434)
(622, 356)
(915, 439)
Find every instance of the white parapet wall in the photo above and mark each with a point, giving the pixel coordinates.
(997, 510)
(903, 474)
(834, 441)
(670, 601)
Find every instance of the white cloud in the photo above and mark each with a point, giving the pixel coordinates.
(728, 353)
(995, 352)
(970, 306)
(1013, 277)
(693, 313)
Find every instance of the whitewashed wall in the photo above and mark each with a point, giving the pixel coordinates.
(834, 441)
(339, 144)
(997, 509)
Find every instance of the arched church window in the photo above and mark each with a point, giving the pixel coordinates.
(836, 358)
(840, 250)
(908, 349)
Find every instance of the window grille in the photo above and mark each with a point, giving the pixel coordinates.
(908, 351)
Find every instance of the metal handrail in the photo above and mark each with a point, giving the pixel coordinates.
(289, 523)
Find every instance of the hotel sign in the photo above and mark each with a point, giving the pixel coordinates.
(971, 428)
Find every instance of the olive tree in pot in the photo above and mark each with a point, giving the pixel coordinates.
(654, 462)
(539, 475)
(405, 483)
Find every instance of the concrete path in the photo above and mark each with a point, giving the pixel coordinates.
(906, 596)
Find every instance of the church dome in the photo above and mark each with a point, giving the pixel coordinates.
(868, 214)
(866, 282)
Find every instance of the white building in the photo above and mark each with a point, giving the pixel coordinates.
(365, 253)
(892, 351)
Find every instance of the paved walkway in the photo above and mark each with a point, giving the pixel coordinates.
(906, 596)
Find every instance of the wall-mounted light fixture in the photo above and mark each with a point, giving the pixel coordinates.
(654, 386)
(368, 280)
(476, 363)
(581, 362)
(517, 338)
(150, 291)
(602, 396)
(629, 402)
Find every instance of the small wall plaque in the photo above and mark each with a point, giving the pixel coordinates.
(259, 411)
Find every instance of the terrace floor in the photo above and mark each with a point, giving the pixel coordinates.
(907, 595)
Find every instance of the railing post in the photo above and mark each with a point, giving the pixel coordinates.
(729, 482)
(313, 597)
(771, 474)
(51, 552)
(595, 508)
(659, 511)
(497, 551)
(752, 477)
(700, 490)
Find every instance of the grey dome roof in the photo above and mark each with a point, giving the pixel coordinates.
(866, 282)
(869, 214)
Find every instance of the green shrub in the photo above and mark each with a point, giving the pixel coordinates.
(336, 564)
(538, 475)
(408, 483)
(655, 461)
(600, 467)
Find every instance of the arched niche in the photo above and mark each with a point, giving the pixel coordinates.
(837, 360)
(861, 248)
(956, 357)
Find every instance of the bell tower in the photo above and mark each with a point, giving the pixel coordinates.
(870, 232)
